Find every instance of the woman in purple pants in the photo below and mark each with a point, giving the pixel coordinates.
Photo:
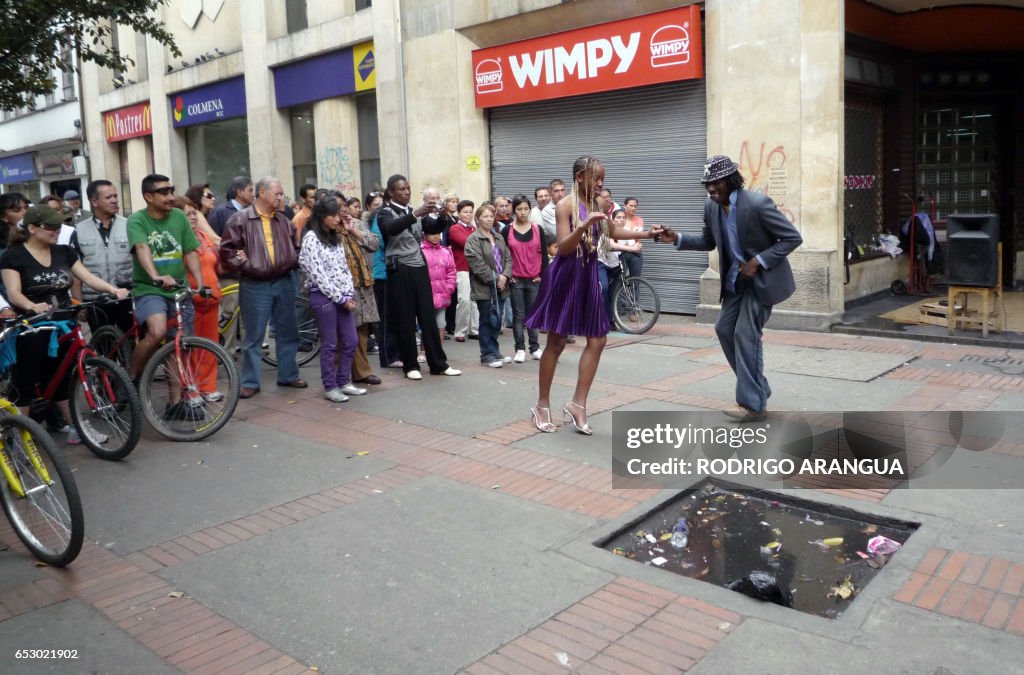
(332, 297)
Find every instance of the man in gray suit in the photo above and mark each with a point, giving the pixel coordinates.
(753, 239)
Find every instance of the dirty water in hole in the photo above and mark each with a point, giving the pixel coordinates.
(813, 557)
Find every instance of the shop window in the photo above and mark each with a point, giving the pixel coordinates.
(303, 147)
(217, 152)
(363, 4)
(956, 159)
(68, 76)
(369, 145)
(862, 194)
(295, 15)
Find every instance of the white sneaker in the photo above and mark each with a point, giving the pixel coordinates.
(496, 363)
(213, 396)
(451, 372)
(414, 375)
(352, 390)
(535, 355)
(520, 356)
(74, 439)
(421, 358)
(336, 396)
(506, 359)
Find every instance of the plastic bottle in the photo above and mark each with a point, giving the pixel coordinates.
(680, 534)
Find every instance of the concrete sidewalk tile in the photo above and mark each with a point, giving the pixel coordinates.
(994, 573)
(228, 661)
(1013, 583)
(294, 669)
(134, 612)
(101, 586)
(629, 616)
(710, 622)
(627, 603)
(16, 603)
(653, 594)
(193, 545)
(188, 649)
(578, 629)
(282, 661)
(999, 611)
(973, 570)
(144, 562)
(234, 530)
(251, 663)
(503, 663)
(276, 516)
(177, 550)
(35, 595)
(598, 622)
(672, 643)
(56, 588)
(977, 604)
(198, 631)
(297, 512)
(933, 593)
(544, 651)
(165, 617)
(560, 643)
(603, 663)
(530, 662)
(955, 599)
(129, 591)
(648, 664)
(666, 654)
(1016, 623)
(479, 668)
(79, 578)
(912, 587)
(684, 630)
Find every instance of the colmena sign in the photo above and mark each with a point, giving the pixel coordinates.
(649, 49)
(214, 102)
(131, 122)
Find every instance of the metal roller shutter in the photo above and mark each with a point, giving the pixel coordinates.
(652, 142)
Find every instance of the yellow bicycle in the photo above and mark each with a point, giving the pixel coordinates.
(38, 491)
(231, 329)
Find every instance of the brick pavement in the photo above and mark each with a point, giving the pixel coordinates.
(627, 626)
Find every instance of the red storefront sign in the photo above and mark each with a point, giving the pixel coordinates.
(129, 122)
(649, 49)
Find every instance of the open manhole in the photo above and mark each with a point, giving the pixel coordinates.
(815, 558)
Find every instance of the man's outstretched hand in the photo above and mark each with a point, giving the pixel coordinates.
(663, 234)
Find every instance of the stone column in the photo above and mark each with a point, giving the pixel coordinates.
(337, 145)
(391, 96)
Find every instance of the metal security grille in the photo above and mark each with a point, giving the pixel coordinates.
(956, 153)
(653, 143)
(863, 179)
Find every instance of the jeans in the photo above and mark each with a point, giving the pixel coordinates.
(609, 277)
(489, 350)
(524, 294)
(739, 328)
(263, 302)
(337, 327)
(634, 262)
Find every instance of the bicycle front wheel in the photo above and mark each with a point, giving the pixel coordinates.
(189, 389)
(309, 336)
(636, 306)
(105, 409)
(39, 493)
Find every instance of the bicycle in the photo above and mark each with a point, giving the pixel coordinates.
(103, 403)
(169, 385)
(635, 304)
(38, 490)
(309, 332)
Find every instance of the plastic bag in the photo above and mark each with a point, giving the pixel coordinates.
(882, 545)
(762, 586)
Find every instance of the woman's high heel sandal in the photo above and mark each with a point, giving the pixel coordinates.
(548, 426)
(585, 429)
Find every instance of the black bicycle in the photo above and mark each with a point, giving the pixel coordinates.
(635, 304)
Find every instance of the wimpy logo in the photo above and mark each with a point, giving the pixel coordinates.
(584, 60)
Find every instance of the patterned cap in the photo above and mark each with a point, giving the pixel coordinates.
(718, 167)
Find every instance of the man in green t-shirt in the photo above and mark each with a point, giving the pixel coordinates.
(163, 245)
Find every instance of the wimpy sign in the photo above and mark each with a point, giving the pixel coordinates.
(661, 47)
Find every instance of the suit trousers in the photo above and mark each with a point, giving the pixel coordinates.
(739, 328)
(361, 368)
(411, 301)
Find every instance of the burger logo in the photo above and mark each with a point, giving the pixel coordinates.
(670, 46)
(488, 77)
(179, 109)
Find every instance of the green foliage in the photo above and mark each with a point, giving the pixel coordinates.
(38, 36)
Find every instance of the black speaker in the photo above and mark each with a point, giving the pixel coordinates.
(973, 243)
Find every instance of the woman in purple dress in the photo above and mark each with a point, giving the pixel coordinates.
(569, 301)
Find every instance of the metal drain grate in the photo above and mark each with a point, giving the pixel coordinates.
(993, 361)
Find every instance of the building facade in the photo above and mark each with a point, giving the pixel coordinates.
(822, 104)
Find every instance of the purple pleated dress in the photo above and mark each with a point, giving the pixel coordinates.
(569, 301)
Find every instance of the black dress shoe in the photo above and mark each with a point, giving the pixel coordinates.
(294, 384)
(744, 415)
(372, 379)
(247, 392)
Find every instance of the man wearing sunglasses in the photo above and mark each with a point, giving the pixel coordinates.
(163, 245)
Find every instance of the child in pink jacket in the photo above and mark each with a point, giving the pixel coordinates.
(441, 266)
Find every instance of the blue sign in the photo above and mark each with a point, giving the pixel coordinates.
(315, 79)
(17, 169)
(212, 103)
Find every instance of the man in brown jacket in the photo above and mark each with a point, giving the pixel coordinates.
(259, 242)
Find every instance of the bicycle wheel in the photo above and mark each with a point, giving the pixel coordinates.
(109, 341)
(39, 495)
(309, 336)
(636, 306)
(173, 399)
(105, 409)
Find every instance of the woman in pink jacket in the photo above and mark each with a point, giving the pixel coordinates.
(441, 266)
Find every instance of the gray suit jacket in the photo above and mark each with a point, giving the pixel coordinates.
(763, 231)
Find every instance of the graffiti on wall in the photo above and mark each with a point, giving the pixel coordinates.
(336, 169)
(764, 168)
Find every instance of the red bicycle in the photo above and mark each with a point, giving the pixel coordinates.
(103, 403)
(189, 387)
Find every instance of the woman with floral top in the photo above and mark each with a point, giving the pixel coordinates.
(332, 297)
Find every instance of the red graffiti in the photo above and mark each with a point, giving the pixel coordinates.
(860, 182)
(775, 159)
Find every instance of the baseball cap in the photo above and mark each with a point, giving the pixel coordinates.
(71, 194)
(37, 215)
